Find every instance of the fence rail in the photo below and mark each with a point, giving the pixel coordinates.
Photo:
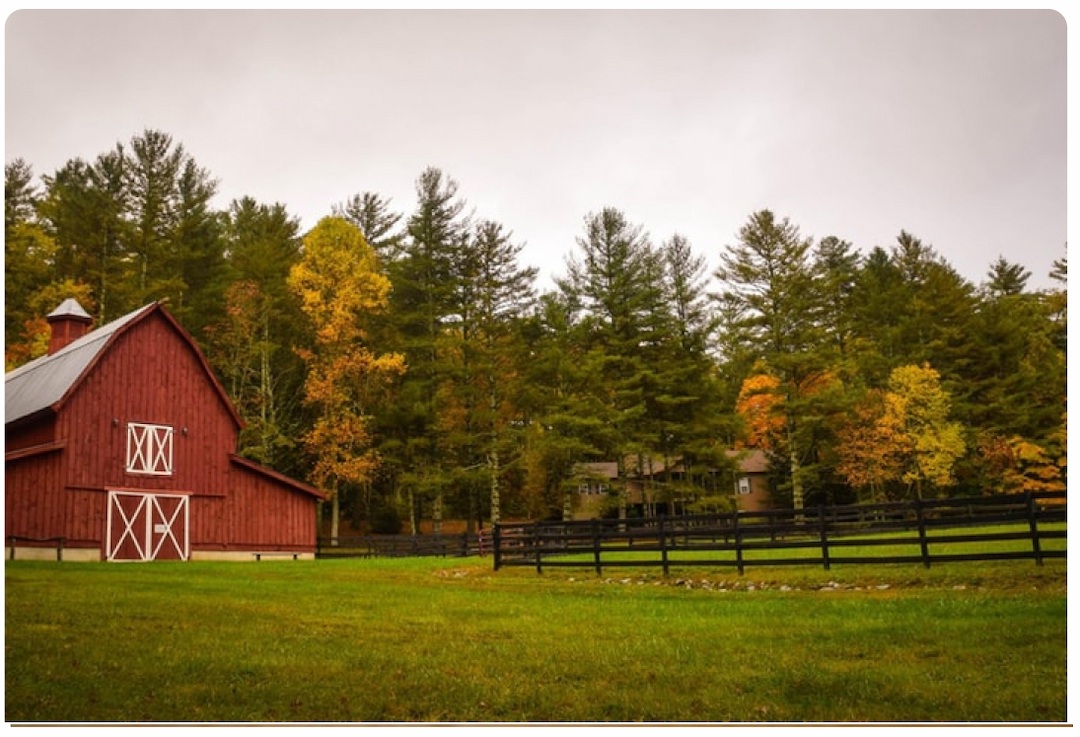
(36, 542)
(402, 546)
(924, 531)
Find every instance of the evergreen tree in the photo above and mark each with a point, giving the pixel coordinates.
(422, 300)
(618, 283)
(371, 213)
(251, 346)
(769, 285)
(152, 169)
(28, 257)
(20, 194)
(492, 294)
(85, 209)
(1005, 279)
(693, 429)
(836, 268)
(1057, 299)
(561, 404)
(200, 245)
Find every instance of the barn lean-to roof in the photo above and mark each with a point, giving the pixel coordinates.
(261, 470)
(46, 382)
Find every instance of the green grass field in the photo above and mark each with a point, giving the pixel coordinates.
(444, 640)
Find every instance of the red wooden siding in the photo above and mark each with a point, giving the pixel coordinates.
(150, 374)
(30, 433)
(33, 498)
(161, 381)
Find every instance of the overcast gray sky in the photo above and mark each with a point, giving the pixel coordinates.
(950, 125)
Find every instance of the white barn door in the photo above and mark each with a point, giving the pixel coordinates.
(143, 526)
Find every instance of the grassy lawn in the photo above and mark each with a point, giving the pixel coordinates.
(443, 640)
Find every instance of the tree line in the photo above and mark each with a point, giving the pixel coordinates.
(408, 364)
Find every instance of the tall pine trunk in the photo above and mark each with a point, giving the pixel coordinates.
(493, 464)
(796, 475)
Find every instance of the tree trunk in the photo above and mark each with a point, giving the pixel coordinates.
(412, 512)
(796, 476)
(493, 464)
(266, 399)
(335, 518)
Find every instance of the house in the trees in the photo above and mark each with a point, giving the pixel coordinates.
(751, 480)
(747, 481)
(121, 445)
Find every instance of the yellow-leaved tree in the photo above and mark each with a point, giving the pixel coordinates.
(919, 405)
(340, 287)
(902, 435)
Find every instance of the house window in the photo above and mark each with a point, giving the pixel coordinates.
(149, 449)
(744, 485)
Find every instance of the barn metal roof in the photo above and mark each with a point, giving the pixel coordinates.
(44, 381)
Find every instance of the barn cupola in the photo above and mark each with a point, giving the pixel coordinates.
(68, 323)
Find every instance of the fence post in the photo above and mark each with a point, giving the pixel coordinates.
(737, 533)
(596, 544)
(13, 539)
(663, 544)
(536, 546)
(1033, 523)
(824, 536)
(496, 545)
(923, 543)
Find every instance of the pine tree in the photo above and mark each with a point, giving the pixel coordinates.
(85, 210)
(28, 257)
(693, 430)
(424, 287)
(1005, 279)
(768, 285)
(561, 405)
(200, 246)
(617, 280)
(371, 213)
(492, 293)
(250, 347)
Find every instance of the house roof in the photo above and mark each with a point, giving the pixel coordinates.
(46, 382)
(598, 469)
(751, 460)
(746, 460)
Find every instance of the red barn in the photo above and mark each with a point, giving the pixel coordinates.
(121, 445)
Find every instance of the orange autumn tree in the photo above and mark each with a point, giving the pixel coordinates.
(766, 406)
(871, 447)
(760, 407)
(339, 286)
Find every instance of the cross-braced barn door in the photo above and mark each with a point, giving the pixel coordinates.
(146, 526)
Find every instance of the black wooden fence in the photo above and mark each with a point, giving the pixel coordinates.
(402, 546)
(926, 532)
(37, 542)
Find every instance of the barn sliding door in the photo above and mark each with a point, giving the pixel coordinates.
(146, 526)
